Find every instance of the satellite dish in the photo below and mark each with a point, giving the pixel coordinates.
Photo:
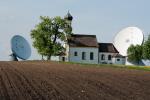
(126, 37)
(20, 48)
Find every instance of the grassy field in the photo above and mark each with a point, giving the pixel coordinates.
(146, 68)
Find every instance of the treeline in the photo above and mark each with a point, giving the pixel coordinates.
(138, 52)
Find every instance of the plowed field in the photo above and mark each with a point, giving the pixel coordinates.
(58, 81)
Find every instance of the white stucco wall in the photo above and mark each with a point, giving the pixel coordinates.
(122, 61)
(78, 58)
(55, 58)
(106, 58)
(67, 52)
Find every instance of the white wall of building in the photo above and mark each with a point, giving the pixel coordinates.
(55, 58)
(119, 60)
(105, 60)
(72, 58)
(78, 58)
(67, 52)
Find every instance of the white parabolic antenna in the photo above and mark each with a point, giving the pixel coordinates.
(20, 48)
(127, 37)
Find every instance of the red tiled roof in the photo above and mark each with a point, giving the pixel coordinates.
(81, 40)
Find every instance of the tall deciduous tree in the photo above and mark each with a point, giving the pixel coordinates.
(135, 53)
(49, 34)
(146, 49)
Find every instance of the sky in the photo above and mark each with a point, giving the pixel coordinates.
(103, 18)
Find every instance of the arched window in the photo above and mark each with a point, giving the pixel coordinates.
(75, 53)
(91, 55)
(83, 55)
(102, 57)
(109, 57)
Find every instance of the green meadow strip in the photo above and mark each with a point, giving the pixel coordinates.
(146, 68)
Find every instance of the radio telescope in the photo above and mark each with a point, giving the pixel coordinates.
(126, 37)
(20, 48)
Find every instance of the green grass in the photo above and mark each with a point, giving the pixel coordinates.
(145, 68)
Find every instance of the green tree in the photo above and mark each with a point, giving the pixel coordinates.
(49, 35)
(135, 53)
(146, 49)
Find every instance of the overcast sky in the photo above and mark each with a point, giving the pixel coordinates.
(104, 18)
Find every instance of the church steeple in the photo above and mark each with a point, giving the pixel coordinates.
(68, 18)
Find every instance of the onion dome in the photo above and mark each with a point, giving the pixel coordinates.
(68, 16)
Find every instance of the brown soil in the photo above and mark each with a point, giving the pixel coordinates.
(57, 81)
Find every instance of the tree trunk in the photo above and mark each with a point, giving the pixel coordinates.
(42, 57)
(49, 57)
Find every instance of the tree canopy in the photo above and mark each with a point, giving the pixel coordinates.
(146, 49)
(49, 35)
(135, 53)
